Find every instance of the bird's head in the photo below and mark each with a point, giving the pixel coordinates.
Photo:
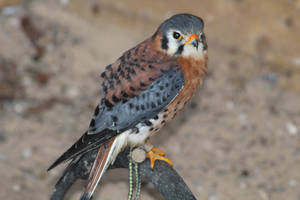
(182, 35)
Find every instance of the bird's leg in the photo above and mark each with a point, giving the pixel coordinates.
(154, 153)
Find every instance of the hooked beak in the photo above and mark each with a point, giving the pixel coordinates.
(193, 40)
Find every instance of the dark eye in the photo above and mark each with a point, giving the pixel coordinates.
(177, 35)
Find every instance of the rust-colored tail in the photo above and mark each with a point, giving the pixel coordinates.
(100, 165)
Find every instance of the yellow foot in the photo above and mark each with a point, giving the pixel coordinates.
(157, 154)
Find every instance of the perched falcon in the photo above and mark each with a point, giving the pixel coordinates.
(146, 87)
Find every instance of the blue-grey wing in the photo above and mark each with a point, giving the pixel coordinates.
(146, 105)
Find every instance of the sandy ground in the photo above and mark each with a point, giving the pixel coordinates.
(239, 138)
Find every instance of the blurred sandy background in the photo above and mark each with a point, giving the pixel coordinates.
(238, 139)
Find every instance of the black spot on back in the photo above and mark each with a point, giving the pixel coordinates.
(132, 88)
(103, 75)
(124, 94)
(115, 99)
(142, 84)
(108, 67)
(151, 66)
(107, 103)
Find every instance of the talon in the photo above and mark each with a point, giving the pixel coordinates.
(158, 151)
(157, 154)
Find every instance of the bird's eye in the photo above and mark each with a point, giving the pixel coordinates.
(177, 36)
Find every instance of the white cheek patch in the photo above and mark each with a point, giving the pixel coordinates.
(172, 47)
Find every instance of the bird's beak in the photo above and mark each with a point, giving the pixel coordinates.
(193, 40)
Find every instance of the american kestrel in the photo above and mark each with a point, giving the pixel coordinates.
(146, 87)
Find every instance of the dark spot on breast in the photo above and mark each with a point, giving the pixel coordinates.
(170, 76)
(119, 68)
(137, 108)
(118, 82)
(151, 129)
(161, 87)
(143, 69)
(142, 107)
(164, 43)
(163, 121)
(167, 84)
(96, 111)
(176, 86)
(143, 95)
(151, 87)
(157, 94)
(165, 116)
(93, 122)
(114, 118)
(115, 99)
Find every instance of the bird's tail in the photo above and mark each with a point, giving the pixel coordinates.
(102, 161)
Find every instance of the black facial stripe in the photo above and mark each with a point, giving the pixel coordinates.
(164, 43)
(180, 49)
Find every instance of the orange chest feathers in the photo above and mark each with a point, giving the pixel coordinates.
(193, 71)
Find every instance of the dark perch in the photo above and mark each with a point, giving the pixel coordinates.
(165, 179)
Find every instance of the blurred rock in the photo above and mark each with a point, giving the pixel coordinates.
(10, 80)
